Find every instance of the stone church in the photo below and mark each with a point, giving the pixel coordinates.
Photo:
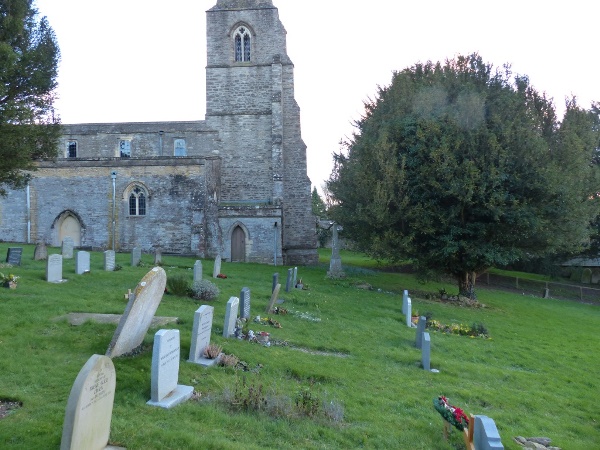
(234, 184)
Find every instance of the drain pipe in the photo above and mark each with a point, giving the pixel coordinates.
(113, 175)
(28, 193)
(275, 244)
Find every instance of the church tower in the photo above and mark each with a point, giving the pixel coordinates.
(250, 100)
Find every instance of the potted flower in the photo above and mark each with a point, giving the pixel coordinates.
(9, 281)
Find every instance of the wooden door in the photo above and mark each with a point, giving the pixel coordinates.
(70, 226)
(238, 244)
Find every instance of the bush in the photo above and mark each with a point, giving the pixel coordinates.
(205, 290)
(178, 285)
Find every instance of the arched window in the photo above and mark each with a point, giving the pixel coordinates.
(242, 44)
(137, 201)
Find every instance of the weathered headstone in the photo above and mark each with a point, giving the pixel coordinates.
(54, 268)
(275, 281)
(288, 282)
(231, 314)
(586, 276)
(82, 262)
(41, 252)
(203, 319)
(109, 260)
(89, 408)
(138, 314)
(273, 298)
(197, 271)
(164, 390)
(67, 247)
(595, 276)
(409, 313)
(245, 303)
(13, 255)
(335, 264)
(421, 324)
(426, 352)
(295, 277)
(136, 256)
(217, 266)
(404, 299)
(485, 434)
(157, 256)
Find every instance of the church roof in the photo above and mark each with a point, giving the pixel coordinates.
(242, 4)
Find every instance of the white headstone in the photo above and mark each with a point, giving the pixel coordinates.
(165, 392)
(404, 300)
(421, 325)
(231, 314)
(295, 278)
(203, 319)
(89, 408)
(54, 268)
(67, 247)
(197, 271)
(217, 266)
(82, 262)
(139, 312)
(426, 352)
(245, 303)
(136, 256)
(409, 313)
(274, 296)
(109, 260)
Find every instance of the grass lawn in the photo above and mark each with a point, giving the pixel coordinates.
(538, 375)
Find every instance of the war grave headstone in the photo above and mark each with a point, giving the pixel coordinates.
(109, 260)
(82, 262)
(203, 319)
(409, 313)
(13, 255)
(231, 314)
(41, 252)
(273, 298)
(158, 257)
(136, 256)
(54, 269)
(275, 281)
(165, 392)
(426, 352)
(421, 324)
(295, 277)
(245, 303)
(67, 247)
(89, 408)
(486, 436)
(197, 271)
(217, 266)
(404, 299)
(138, 314)
(288, 282)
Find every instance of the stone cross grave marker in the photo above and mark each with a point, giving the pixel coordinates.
(197, 271)
(136, 256)
(109, 260)
(67, 247)
(485, 435)
(288, 282)
(275, 281)
(273, 298)
(138, 314)
(420, 330)
(165, 392)
(295, 277)
(404, 300)
(54, 269)
(231, 314)
(41, 252)
(203, 319)
(89, 408)
(13, 255)
(426, 352)
(82, 262)
(157, 257)
(245, 303)
(409, 313)
(217, 266)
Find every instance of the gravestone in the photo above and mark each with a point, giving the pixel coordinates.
(231, 314)
(41, 252)
(217, 266)
(54, 269)
(203, 319)
(245, 303)
(67, 247)
(82, 262)
(138, 314)
(586, 276)
(13, 255)
(295, 277)
(404, 299)
(164, 390)
(109, 260)
(89, 408)
(273, 298)
(421, 325)
(275, 281)
(198, 271)
(409, 313)
(136, 256)
(426, 352)
(335, 264)
(595, 276)
(158, 257)
(288, 282)
(485, 435)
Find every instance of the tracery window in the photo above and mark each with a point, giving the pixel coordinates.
(242, 42)
(137, 201)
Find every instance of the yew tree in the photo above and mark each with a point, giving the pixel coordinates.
(459, 167)
(29, 57)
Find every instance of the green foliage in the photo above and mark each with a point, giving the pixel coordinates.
(205, 290)
(460, 168)
(29, 58)
(319, 209)
(178, 284)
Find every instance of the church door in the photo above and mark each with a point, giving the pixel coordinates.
(238, 244)
(70, 226)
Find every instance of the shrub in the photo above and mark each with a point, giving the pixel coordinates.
(205, 290)
(178, 285)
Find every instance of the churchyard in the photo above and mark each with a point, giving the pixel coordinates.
(342, 369)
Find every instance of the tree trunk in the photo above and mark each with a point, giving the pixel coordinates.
(466, 284)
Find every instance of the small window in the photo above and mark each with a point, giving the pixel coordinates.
(180, 148)
(242, 43)
(125, 148)
(137, 202)
(72, 149)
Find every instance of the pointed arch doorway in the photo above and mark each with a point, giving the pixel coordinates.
(238, 245)
(70, 226)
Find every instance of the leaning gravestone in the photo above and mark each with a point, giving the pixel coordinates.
(485, 435)
(197, 271)
(217, 266)
(136, 256)
(67, 247)
(54, 269)
(165, 392)
(275, 281)
(41, 252)
(404, 301)
(203, 319)
(426, 352)
(109, 260)
(288, 282)
(89, 408)
(82, 262)
(273, 298)
(421, 324)
(138, 314)
(13, 255)
(245, 303)
(231, 313)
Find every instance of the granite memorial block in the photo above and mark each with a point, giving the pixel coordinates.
(136, 256)
(231, 315)
(275, 281)
(67, 248)
(136, 319)
(13, 255)
(109, 260)
(41, 252)
(288, 282)
(245, 303)
(203, 319)
(82, 262)
(485, 434)
(54, 265)
(197, 271)
(164, 389)
(421, 325)
(273, 298)
(217, 266)
(404, 300)
(426, 352)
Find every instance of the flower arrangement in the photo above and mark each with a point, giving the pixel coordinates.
(451, 414)
(7, 279)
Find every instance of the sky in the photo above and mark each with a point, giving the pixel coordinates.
(140, 60)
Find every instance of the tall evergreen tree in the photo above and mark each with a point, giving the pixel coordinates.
(29, 56)
(461, 167)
